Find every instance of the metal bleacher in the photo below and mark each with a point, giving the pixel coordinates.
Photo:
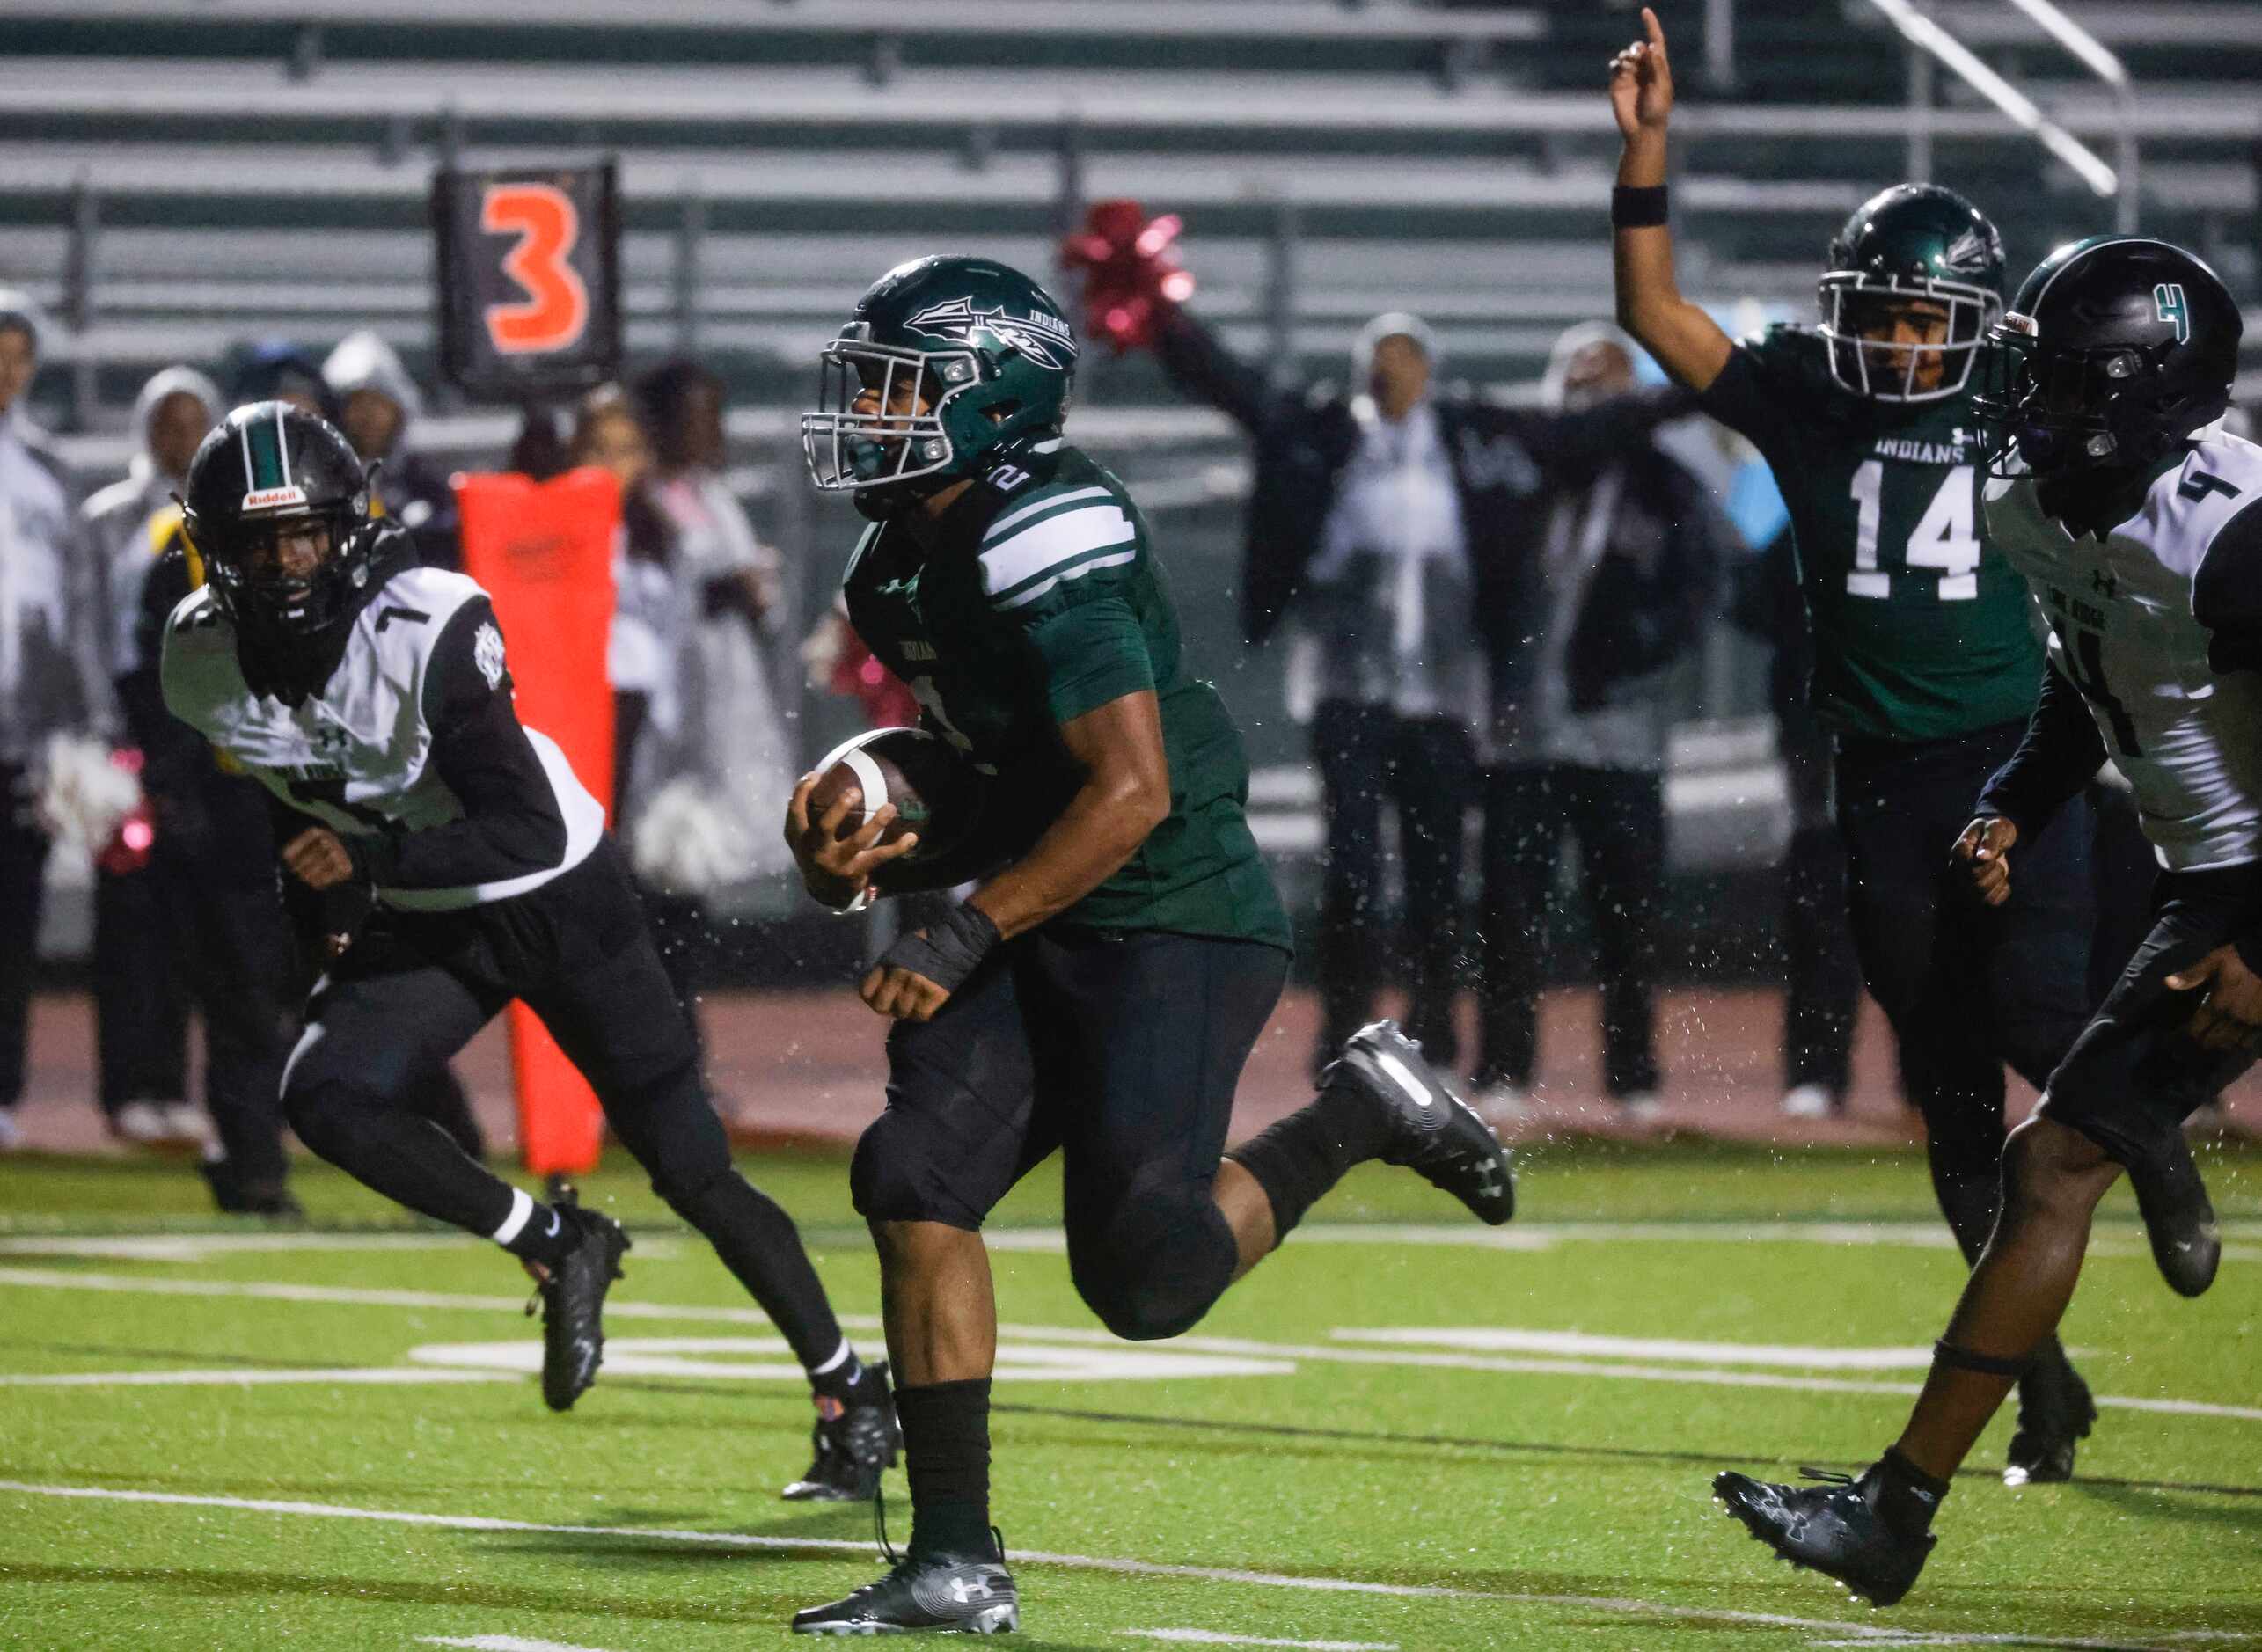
(223, 168)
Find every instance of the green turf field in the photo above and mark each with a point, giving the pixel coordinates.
(1352, 1449)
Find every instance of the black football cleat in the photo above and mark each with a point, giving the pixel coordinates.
(2055, 1413)
(855, 1440)
(949, 1594)
(1434, 1132)
(572, 1295)
(2179, 1218)
(1832, 1528)
(237, 1197)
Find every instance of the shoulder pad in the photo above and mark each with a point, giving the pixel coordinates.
(1067, 530)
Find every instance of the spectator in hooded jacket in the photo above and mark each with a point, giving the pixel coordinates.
(51, 674)
(378, 402)
(1386, 521)
(140, 1006)
(1620, 580)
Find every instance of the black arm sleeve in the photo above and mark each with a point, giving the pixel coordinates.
(511, 824)
(1203, 369)
(1571, 444)
(2061, 754)
(2227, 593)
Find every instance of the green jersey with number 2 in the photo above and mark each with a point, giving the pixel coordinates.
(1921, 629)
(1034, 599)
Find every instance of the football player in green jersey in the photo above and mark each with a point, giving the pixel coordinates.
(1926, 658)
(1099, 991)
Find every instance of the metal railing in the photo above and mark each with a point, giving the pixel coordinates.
(1935, 42)
(2091, 53)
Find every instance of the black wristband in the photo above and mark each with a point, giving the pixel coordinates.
(1637, 207)
(950, 948)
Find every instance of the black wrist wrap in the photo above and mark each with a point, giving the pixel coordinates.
(949, 949)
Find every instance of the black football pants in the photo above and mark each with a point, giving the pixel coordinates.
(1122, 1052)
(415, 987)
(1822, 982)
(1425, 767)
(1968, 987)
(1619, 818)
(23, 869)
(140, 1006)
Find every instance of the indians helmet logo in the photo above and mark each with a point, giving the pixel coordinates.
(1971, 251)
(1045, 340)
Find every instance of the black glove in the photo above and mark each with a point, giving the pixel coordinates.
(948, 950)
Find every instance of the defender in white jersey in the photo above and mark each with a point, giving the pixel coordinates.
(375, 696)
(2135, 521)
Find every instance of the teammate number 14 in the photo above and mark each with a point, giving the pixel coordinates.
(1944, 538)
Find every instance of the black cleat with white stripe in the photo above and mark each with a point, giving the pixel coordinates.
(572, 1296)
(1833, 1528)
(1434, 1132)
(951, 1594)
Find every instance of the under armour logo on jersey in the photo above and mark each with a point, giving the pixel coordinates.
(2168, 302)
(2102, 583)
(487, 653)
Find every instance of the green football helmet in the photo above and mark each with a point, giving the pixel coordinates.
(1914, 242)
(945, 361)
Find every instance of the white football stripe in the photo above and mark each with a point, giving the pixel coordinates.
(1056, 540)
(1501, 1340)
(997, 530)
(1076, 573)
(1213, 1637)
(501, 1643)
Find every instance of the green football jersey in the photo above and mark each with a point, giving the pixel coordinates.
(1034, 599)
(1921, 629)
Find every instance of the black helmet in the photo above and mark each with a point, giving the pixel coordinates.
(2116, 349)
(1914, 241)
(266, 463)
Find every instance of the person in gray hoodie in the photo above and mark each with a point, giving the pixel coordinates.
(378, 402)
(141, 1002)
(51, 676)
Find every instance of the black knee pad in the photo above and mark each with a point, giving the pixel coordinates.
(899, 1175)
(322, 1114)
(1152, 1267)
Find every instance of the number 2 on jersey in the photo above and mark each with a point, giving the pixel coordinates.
(1945, 536)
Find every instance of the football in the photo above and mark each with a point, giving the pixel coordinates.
(936, 791)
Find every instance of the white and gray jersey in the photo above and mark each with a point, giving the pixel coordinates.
(2157, 622)
(410, 751)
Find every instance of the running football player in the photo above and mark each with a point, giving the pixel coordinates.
(2133, 516)
(1925, 655)
(1099, 991)
(374, 695)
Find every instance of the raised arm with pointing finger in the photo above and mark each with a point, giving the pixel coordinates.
(1688, 343)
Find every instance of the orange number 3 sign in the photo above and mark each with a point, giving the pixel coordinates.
(556, 309)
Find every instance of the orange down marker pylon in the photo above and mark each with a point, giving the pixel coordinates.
(544, 552)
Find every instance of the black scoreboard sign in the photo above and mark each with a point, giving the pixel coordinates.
(530, 279)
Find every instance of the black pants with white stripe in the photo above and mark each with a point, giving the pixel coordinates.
(414, 988)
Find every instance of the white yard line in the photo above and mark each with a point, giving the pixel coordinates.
(1499, 1339)
(2067, 1643)
(252, 1375)
(60, 1279)
(501, 1643)
(1861, 1634)
(1210, 1637)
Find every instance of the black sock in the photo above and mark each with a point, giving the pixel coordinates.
(1907, 1497)
(545, 1237)
(1306, 1154)
(946, 1456)
(838, 1383)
